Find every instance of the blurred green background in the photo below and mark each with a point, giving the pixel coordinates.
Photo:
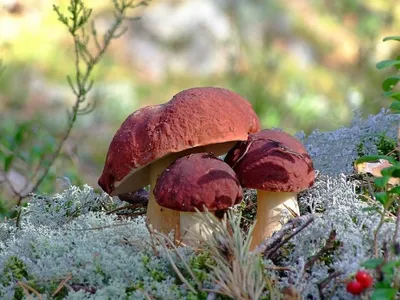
(303, 64)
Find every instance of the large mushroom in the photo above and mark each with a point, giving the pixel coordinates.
(203, 119)
(278, 166)
(197, 181)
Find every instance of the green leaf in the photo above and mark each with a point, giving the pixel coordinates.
(383, 294)
(388, 171)
(393, 171)
(8, 162)
(391, 94)
(372, 263)
(387, 63)
(396, 173)
(390, 82)
(375, 158)
(388, 267)
(395, 190)
(395, 107)
(384, 284)
(392, 38)
(381, 181)
(382, 197)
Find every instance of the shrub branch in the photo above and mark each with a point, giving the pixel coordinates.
(76, 20)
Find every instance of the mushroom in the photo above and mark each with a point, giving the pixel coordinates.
(203, 119)
(279, 167)
(197, 181)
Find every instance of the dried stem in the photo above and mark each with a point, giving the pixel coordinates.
(329, 245)
(61, 285)
(324, 283)
(81, 84)
(397, 228)
(381, 222)
(294, 226)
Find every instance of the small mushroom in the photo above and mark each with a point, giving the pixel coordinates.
(279, 167)
(203, 119)
(197, 181)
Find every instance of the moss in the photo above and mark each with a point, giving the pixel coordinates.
(198, 296)
(14, 270)
(157, 275)
(385, 145)
(328, 257)
(201, 265)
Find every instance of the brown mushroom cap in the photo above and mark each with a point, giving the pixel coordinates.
(192, 118)
(272, 160)
(196, 180)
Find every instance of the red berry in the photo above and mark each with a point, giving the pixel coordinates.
(365, 279)
(354, 287)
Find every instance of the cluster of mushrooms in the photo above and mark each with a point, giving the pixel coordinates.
(174, 148)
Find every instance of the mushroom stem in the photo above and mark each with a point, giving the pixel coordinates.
(270, 206)
(160, 218)
(190, 227)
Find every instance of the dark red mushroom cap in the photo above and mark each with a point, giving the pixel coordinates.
(272, 160)
(197, 117)
(196, 180)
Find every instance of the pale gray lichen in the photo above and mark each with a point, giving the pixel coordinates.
(102, 254)
(69, 234)
(336, 206)
(334, 152)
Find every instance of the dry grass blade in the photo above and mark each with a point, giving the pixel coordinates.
(237, 272)
(61, 285)
(162, 239)
(28, 288)
(279, 238)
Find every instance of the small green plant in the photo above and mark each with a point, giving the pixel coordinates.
(385, 145)
(390, 83)
(36, 163)
(385, 262)
(14, 270)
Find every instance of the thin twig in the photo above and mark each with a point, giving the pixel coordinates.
(130, 206)
(160, 238)
(171, 243)
(329, 245)
(82, 84)
(131, 215)
(152, 238)
(397, 228)
(61, 285)
(293, 226)
(102, 227)
(323, 284)
(26, 288)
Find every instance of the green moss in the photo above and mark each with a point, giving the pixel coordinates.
(328, 257)
(156, 274)
(198, 296)
(14, 270)
(201, 265)
(385, 146)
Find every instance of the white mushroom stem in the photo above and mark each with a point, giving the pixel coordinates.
(163, 219)
(270, 213)
(160, 218)
(191, 228)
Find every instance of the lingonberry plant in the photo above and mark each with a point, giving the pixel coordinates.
(386, 263)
